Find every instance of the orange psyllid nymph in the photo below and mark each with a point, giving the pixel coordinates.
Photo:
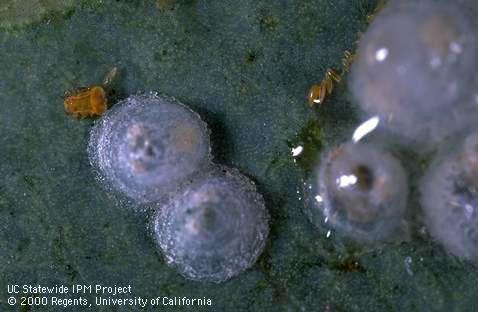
(87, 102)
(318, 92)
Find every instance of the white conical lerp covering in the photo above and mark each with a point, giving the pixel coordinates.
(358, 190)
(415, 69)
(147, 146)
(449, 197)
(215, 229)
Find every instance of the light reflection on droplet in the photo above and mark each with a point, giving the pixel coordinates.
(319, 198)
(381, 54)
(456, 47)
(346, 180)
(297, 151)
(365, 128)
